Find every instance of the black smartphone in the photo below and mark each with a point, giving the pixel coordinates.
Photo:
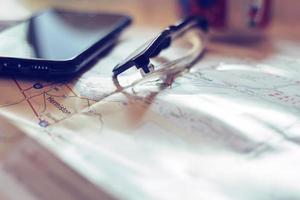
(58, 42)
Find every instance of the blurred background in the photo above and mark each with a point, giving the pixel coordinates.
(158, 14)
(145, 12)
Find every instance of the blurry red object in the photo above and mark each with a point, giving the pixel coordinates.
(224, 14)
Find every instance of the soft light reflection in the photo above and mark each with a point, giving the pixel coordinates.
(171, 166)
(227, 112)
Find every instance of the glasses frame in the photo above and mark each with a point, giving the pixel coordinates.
(141, 59)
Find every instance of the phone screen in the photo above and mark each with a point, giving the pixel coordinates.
(57, 34)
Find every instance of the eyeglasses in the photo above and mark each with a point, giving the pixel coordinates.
(141, 57)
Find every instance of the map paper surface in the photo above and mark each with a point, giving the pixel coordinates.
(226, 129)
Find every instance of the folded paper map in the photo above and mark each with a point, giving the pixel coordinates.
(228, 128)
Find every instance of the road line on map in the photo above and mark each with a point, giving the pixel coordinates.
(71, 90)
(29, 103)
(87, 99)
